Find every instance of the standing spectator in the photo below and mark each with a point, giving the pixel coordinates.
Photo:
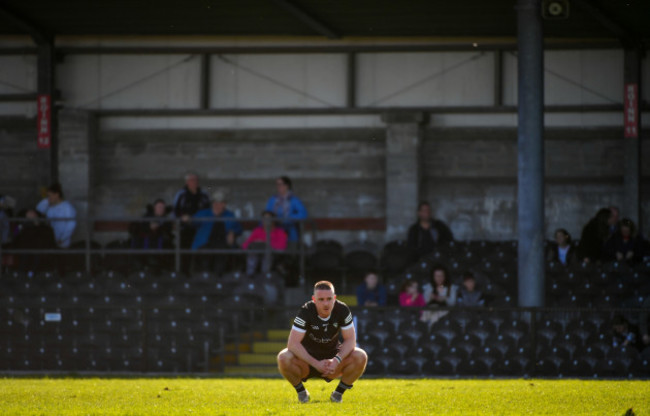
(410, 296)
(286, 206)
(216, 234)
(371, 292)
(594, 236)
(427, 233)
(34, 235)
(53, 207)
(468, 294)
(626, 244)
(187, 202)
(440, 291)
(7, 205)
(623, 333)
(562, 251)
(257, 240)
(154, 232)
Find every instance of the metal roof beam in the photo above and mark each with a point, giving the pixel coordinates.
(305, 17)
(39, 35)
(626, 36)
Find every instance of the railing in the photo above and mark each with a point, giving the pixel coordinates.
(88, 251)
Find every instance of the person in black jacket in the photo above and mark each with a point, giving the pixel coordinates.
(594, 236)
(187, 202)
(626, 244)
(427, 233)
(34, 235)
(562, 251)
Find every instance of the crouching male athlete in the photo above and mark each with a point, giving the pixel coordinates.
(314, 349)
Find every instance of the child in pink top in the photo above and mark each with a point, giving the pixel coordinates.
(410, 296)
(257, 239)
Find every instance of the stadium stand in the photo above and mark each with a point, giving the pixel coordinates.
(168, 322)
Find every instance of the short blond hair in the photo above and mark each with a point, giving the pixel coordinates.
(324, 285)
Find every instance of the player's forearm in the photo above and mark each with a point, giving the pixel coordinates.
(346, 348)
(299, 351)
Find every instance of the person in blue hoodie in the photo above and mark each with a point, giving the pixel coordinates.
(215, 234)
(285, 205)
(53, 207)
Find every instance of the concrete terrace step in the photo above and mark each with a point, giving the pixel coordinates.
(278, 335)
(258, 359)
(269, 347)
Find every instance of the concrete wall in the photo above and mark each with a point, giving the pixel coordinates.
(469, 174)
(470, 177)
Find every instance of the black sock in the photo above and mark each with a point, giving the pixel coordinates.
(343, 387)
(299, 387)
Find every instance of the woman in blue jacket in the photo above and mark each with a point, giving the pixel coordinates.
(285, 205)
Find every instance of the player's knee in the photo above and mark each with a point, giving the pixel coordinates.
(284, 357)
(360, 357)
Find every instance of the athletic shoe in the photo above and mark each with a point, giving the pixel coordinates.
(303, 396)
(336, 397)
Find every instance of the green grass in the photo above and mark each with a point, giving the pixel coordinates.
(184, 396)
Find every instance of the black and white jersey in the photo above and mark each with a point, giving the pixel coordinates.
(322, 335)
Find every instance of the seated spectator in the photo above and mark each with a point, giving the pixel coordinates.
(626, 244)
(427, 233)
(440, 292)
(153, 233)
(562, 251)
(286, 206)
(34, 235)
(594, 236)
(371, 292)
(257, 240)
(410, 296)
(187, 202)
(623, 333)
(53, 207)
(468, 295)
(216, 234)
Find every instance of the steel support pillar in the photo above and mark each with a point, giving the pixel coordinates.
(632, 137)
(530, 135)
(49, 162)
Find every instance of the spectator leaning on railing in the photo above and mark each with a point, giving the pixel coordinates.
(286, 206)
(187, 202)
(54, 206)
(33, 235)
(216, 234)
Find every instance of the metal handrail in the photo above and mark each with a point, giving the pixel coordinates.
(88, 251)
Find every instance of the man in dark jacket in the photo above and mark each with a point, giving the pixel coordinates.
(427, 233)
(34, 235)
(187, 202)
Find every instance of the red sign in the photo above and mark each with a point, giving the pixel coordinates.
(44, 121)
(631, 112)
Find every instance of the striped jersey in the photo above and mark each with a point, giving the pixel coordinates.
(322, 334)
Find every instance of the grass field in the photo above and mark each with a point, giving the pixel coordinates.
(184, 396)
